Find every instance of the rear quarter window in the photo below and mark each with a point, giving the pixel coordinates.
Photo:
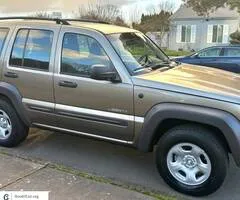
(232, 52)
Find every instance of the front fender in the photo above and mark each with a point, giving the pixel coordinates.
(227, 123)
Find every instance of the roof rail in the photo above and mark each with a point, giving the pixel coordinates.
(57, 20)
(87, 20)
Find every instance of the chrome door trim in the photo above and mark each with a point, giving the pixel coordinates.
(65, 109)
(34, 71)
(84, 134)
(139, 119)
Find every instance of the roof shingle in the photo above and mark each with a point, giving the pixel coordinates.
(185, 12)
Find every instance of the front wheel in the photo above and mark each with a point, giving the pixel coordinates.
(192, 160)
(12, 130)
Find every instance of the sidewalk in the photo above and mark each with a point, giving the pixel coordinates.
(19, 174)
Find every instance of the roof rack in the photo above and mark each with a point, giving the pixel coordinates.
(87, 20)
(57, 20)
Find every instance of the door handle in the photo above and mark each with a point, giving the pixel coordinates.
(67, 84)
(11, 75)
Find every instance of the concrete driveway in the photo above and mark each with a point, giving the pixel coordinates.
(25, 175)
(120, 164)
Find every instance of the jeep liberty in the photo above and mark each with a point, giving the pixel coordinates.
(113, 83)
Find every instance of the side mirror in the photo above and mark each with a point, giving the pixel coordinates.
(196, 56)
(102, 72)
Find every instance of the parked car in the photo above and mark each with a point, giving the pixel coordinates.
(221, 57)
(113, 83)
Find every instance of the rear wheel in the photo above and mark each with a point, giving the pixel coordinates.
(192, 160)
(12, 130)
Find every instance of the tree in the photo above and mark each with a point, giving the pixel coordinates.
(102, 11)
(154, 22)
(158, 22)
(235, 37)
(205, 7)
(120, 22)
(42, 15)
(134, 15)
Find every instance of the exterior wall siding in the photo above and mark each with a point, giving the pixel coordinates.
(201, 33)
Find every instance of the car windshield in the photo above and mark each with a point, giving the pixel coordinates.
(138, 52)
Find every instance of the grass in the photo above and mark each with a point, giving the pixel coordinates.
(176, 53)
(139, 51)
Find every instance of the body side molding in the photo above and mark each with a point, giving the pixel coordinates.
(66, 109)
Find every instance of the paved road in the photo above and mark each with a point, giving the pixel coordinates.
(112, 161)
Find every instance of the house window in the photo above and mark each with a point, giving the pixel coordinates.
(217, 34)
(186, 33)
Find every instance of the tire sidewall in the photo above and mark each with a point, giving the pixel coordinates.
(18, 128)
(218, 164)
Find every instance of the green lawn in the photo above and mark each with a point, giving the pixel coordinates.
(177, 53)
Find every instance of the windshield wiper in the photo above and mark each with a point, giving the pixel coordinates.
(168, 64)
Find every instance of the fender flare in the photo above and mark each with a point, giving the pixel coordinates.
(13, 95)
(227, 123)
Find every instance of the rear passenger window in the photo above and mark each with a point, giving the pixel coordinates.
(3, 35)
(232, 52)
(32, 49)
(80, 53)
(18, 48)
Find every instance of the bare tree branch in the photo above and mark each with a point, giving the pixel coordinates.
(103, 11)
(41, 14)
(156, 21)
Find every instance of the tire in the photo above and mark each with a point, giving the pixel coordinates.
(192, 160)
(16, 131)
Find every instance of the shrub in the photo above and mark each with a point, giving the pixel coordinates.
(176, 53)
(235, 37)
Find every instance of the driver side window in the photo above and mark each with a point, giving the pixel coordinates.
(80, 53)
(213, 52)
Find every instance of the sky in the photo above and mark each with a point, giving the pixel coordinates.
(17, 7)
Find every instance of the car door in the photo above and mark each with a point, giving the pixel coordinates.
(86, 106)
(231, 59)
(210, 57)
(28, 65)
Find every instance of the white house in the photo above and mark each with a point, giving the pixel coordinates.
(190, 31)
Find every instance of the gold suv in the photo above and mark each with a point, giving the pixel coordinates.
(113, 83)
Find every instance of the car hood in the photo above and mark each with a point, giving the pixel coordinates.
(195, 80)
